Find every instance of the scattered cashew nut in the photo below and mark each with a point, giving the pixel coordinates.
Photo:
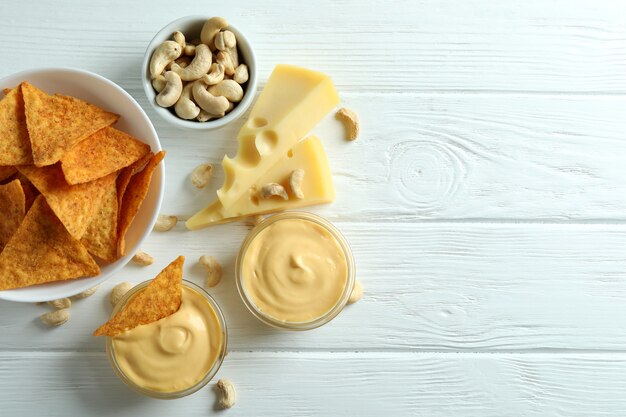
(179, 38)
(60, 303)
(350, 121)
(227, 394)
(143, 259)
(201, 175)
(357, 293)
(241, 74)
(229, 89)
(204, 116)
(163, 55)
(55, 318)
(86, 293)
(190, 50)
(295, 182)
(215, 75)
(118, 292)
(199, 66)
(207, 101)
(210, 29)
(165, 223)
(214, 270)
(185, 107)
(273, 189)
(226, 41)
(172, 90)
(182, 62)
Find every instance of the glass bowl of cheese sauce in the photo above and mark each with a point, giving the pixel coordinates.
(175, 356)
(295, 271)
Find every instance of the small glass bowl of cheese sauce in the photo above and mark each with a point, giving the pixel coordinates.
(295, 271)
(175, 356)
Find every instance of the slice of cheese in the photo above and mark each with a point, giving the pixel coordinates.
(317, 187)
(293, 101)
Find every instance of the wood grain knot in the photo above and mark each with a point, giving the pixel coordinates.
(427, 173)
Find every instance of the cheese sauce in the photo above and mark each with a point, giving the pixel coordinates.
(294, 270)
(174, 353)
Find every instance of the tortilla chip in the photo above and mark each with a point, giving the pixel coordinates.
(12, 207)
(106, 151)
(161, 298)
(100, 238)
(57, 123)
(126, 174)
(6, 91)
(134, 196)
(14, 141)
(75, 205)
(41, 250)
(6, 172)
(30, 192)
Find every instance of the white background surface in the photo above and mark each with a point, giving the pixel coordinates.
(485, 203)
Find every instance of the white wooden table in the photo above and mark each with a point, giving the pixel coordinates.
(485, 203)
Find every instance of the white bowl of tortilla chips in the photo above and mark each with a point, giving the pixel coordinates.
(86, 184)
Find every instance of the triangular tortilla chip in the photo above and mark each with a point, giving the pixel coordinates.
(127, 173)
(57, 123)
(160, 298)
(12, 210)
(100, 238)
(134, 196)
(106, 151)
(6, 172)
(74, 205)
(41, 250)
(14, 141)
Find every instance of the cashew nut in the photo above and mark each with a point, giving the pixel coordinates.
(165, 223)
(202, 173)
(295, 183)
(225, 58)
(227, 394)
(210, 29)
(229, 89)
(55, 318)
(185, 108)
(273, 189)
(182, 62)
(241, 74)
(207, 101)
(203, 116)
(179, 38)
(172, 90)
(350, 121)
(189, 50)
(199, 66)
(163, 55)
(225, 40)
(213, 268)
(143, 258)
(118, 292)
(60, 303)
(215, 75)
(159, 83)
(357, 293)
(86, 293)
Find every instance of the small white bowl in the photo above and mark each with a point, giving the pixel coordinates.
(98, 90)
(191, 26)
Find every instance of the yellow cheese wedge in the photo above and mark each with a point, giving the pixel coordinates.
(293, 101)
(317, 187)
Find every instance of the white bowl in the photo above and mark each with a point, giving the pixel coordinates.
(108, 95)
(191, 26)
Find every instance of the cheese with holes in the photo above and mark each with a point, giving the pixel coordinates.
(317, 187)
(293, 101)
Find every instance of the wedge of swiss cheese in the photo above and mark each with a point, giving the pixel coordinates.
(293, 101)
(317, 187)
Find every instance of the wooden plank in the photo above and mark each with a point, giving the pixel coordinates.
(332, 384)
(474, 157)
(428, 287)
(409, 46)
